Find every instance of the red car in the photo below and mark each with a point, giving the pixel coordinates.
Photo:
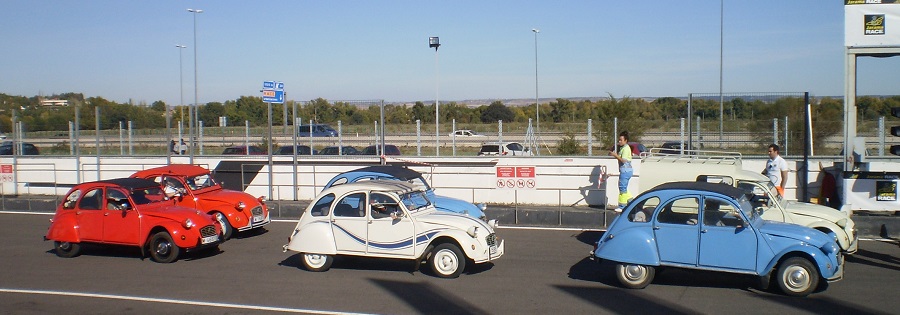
(133, 212)
(197, 189)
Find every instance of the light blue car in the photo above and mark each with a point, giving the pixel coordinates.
(710, 226)
(390, 172)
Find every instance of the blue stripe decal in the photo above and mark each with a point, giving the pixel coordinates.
(404, 243)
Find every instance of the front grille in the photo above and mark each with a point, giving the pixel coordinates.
(257, 210)
(491, 240)
(207, 231)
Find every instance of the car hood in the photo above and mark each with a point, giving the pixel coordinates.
(178, 214)
(814, 210)
(453, 220)
(227, 196)
(797, 232)
(460, 206)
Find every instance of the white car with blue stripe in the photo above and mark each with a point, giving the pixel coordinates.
(390, 219)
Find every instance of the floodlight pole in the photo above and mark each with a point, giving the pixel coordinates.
(537, 107)
(434, 42)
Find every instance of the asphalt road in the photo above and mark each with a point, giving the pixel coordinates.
(543, 272)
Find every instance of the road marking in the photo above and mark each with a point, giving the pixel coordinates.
(173, 301)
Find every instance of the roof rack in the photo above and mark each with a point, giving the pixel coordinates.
(692, 156)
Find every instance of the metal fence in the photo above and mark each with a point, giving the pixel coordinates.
(726, 126)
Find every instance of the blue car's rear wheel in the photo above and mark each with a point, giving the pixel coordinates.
(635, 276)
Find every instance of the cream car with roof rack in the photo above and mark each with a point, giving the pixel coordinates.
(390, 219)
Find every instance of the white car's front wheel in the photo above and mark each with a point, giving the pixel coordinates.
(316, 262)
(447, 261)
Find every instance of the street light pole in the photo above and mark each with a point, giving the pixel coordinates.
(168, 113)
(434, 42)
(537, 107)
(192, 110)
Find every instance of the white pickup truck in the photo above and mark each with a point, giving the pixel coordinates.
(715, 166)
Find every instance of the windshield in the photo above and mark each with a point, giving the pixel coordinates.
(200, 181)
(415, 201)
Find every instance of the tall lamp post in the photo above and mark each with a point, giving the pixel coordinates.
(537, 107)
(435, 42)
(181, 102)
(191, 110)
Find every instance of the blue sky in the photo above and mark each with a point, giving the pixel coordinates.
(363, 50)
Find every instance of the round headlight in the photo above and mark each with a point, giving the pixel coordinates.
(240, 205)
(482, 206)
(472, 231)
(188, 223)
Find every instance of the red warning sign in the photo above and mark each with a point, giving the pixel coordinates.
(516, 177)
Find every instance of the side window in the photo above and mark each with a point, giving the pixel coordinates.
(381, 205)
(92, 200)
(352, 205)
(71, 199)
(342, 180)
(718, 212)
(323, 206)
(116, 200)
(643, 211)
(680, 211)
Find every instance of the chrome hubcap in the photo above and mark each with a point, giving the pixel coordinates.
(446, 261)
(634, 272)
(796, 278)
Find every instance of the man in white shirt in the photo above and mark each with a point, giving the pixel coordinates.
(776, 169)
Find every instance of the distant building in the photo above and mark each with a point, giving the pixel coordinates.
(54, 102)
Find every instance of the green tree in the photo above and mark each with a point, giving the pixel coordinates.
(496, 111)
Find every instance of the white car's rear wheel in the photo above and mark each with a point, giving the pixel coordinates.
(447, 261)
(316, 262)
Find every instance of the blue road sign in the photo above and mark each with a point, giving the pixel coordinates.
(273, 92)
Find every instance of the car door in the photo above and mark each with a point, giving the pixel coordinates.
(677, 230)
(388, 236)
(121, 221)
(726, 241)
(90, 216)
(349, 224)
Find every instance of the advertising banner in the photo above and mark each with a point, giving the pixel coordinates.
(872, 23)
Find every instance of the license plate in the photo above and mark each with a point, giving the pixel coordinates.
(209, 239)
(258, 218)
(493, 250)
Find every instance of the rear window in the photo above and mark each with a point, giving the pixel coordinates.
(490, 148)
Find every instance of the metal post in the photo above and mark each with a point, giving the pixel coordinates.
(590, 139)
(500, 131)
(537, 106)
(121, 138)
(775, 130)
(269, 150)
(454, 136)
(881, 136)
(786, 139)
(418, 137)
(682, 136)
(97, 137)
(247, 134)
(200, 136)
(130, 141)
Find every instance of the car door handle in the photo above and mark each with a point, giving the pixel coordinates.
(656, 227)
(703, 231)
(106, 214)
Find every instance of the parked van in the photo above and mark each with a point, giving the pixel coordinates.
(316, 130)
(725, 167)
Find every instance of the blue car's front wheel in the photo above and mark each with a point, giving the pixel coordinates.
(635, 276)
(797, 277)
